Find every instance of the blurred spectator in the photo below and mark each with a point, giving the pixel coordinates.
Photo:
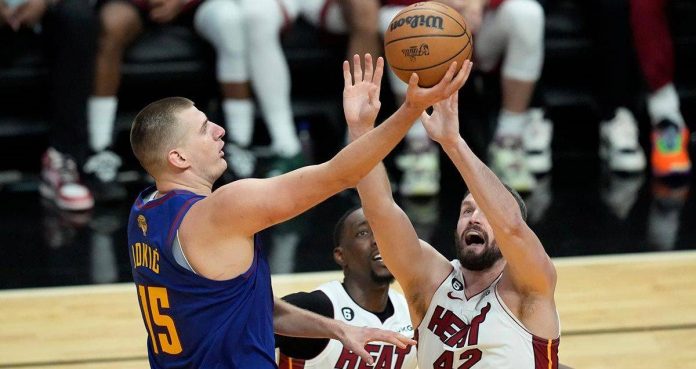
(245, 35)
(670, 135)
(68, 31)
(511, 30)
(357, 18)
(616, 86)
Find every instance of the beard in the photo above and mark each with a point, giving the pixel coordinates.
(382, 279)
(477, 262)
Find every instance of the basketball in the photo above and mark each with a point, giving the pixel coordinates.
(426, 38)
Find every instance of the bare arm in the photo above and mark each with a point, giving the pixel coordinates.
(289, 320)
(396, 237)
(253, 205)
(529, 267)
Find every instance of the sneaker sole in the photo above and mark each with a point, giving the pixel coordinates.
(73, 205)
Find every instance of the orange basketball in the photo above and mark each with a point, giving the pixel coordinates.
(426, 38)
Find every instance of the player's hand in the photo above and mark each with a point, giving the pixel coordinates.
(443, 125)
(355, 339)
(361, 93)
(27, 14)
(164, 11)
(421, 98)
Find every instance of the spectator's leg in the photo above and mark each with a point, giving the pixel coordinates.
(362, 17)
(71, 40)
(69, 34)
(656, 55)
(270, 74)
(120, 26)
(515, 30)
(221, 23)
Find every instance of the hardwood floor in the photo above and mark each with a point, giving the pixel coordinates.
(625, 311)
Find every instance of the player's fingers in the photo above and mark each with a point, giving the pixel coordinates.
(368, 68)
(357, 69)
(413, 81)
(379, 71)
(367, 358)
(425, 117)
(460, 78)
(346, 75)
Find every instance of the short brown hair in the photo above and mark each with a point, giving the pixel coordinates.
(152, 131)
(515, 195)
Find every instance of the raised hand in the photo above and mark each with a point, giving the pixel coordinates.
(443, 124)
(361, 92)
(355, 339)
(422, 98)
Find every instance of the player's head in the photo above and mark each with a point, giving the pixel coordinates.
(475, 243)
(355, 249)
(172, 136)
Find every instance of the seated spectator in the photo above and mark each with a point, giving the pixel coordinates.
(245, 35)
(69, 30)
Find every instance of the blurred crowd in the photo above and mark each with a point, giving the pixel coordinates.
(84, 45)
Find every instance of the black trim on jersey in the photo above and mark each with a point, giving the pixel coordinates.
(317, 302)
(306, 348)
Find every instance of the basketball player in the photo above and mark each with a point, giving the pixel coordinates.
(246, 37)
(203, 282)
(363, 299)
(492, 307)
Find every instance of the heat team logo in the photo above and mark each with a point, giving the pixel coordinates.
(142, 224)
(348, 313)
(415, 51)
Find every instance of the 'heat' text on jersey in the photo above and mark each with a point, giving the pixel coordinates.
(145, 256)
(388, 357)
(453, 331)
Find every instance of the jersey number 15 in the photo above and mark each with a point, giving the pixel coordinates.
(152, 299)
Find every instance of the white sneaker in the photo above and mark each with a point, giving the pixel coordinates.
(537, 142)
(241, 162)
(619, 143)
(507, 158)
(421, 173)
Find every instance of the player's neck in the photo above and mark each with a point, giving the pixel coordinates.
(476, 281)
(167, 184)
(372, 297)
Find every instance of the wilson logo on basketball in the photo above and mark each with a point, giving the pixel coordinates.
(429, 21)
(414, 51)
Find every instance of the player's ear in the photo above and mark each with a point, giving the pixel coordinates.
(338, 256)
(177, 159)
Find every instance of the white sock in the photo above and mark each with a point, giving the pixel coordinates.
(664, 104)
(239, 120)
(510, 124)
(284, 138)
(101, 114)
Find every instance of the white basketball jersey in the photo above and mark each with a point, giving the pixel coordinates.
(479, 333)
(387, 356)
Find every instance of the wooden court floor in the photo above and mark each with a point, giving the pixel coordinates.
(629, 311)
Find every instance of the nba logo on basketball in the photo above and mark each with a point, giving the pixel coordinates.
(414, 51)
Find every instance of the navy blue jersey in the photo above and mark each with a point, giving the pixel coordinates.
(192, 321)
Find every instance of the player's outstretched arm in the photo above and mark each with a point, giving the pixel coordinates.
(396, 237)
(249, 206)
(530, 268)
(289, 320)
